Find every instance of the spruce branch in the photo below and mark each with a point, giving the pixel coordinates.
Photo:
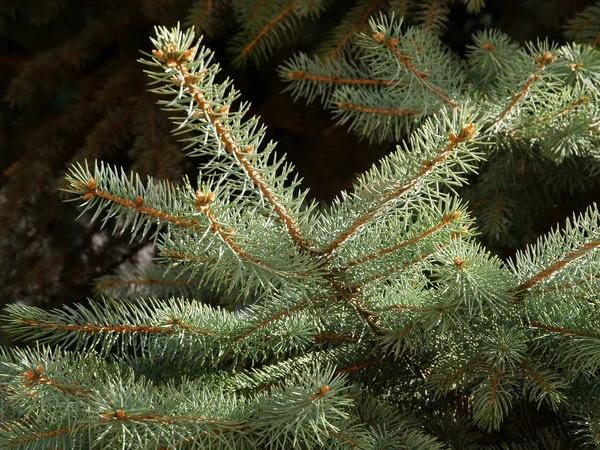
(336, 45)
(551, 261)
(267, 25)
(585, 26)
(210, 106)
(391, 42)
(379, 305)
(142, 206)
(542, 60)
(432, 16)
(379, 198)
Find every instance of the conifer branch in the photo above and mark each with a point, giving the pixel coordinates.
(339, 436)
(349, 296)
(493, 392)
(398, 190)
(338, 80)
(421, 77)
(356, 367)
(464, 368)
(273, 22)
(137, 205)
(272, 318)
(553, 268)
(560, 330)
(393, 270)
(48, 434)
(227, 138)
(542, 61)
(33, 377)
(536, 378)
(355, 27)
(445, 221)
(435, 4)
(385, 112)
(555, 114)
(202, 201)
(98, 329)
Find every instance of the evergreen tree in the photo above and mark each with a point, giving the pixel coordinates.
(73, 92)
(376, 322)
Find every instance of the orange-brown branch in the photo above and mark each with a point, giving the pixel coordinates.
(274, 21)
(573, 283)
(142, 329)
(343, 438)
(36, 376)
(491, 49)
(225, 236)
(238, 154)
(320, 393)
(272, 318)
(369, 110)
(445, 221)
(184, 326)
(398, 191)
(355, 28)
(575, 103)
(137, 205)
(434, 6)
(536, 378)
(393, 270)
(122, 415)
(48, 434)
(302, 75)
(494, 390)
(553, 268)
(354, 368)
(421, 77)
(464, 368)
(564, 331)
(349, 297)
(542, 60)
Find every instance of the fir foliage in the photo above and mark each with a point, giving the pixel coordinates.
(368, 324)
(537, 106)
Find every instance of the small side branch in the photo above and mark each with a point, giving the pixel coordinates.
(542, 61)
(335, 80)
(574, 104)
(522, 289)
(239, 154)
(354, 368)
(536, 378)
(357, 27)
(387, 112)
(391, 44)
(397, 191)
(445, 221)
(274, 317)
(560, 330)
(33, 377)
(273, 22)
(137, 205)
(49, 434)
